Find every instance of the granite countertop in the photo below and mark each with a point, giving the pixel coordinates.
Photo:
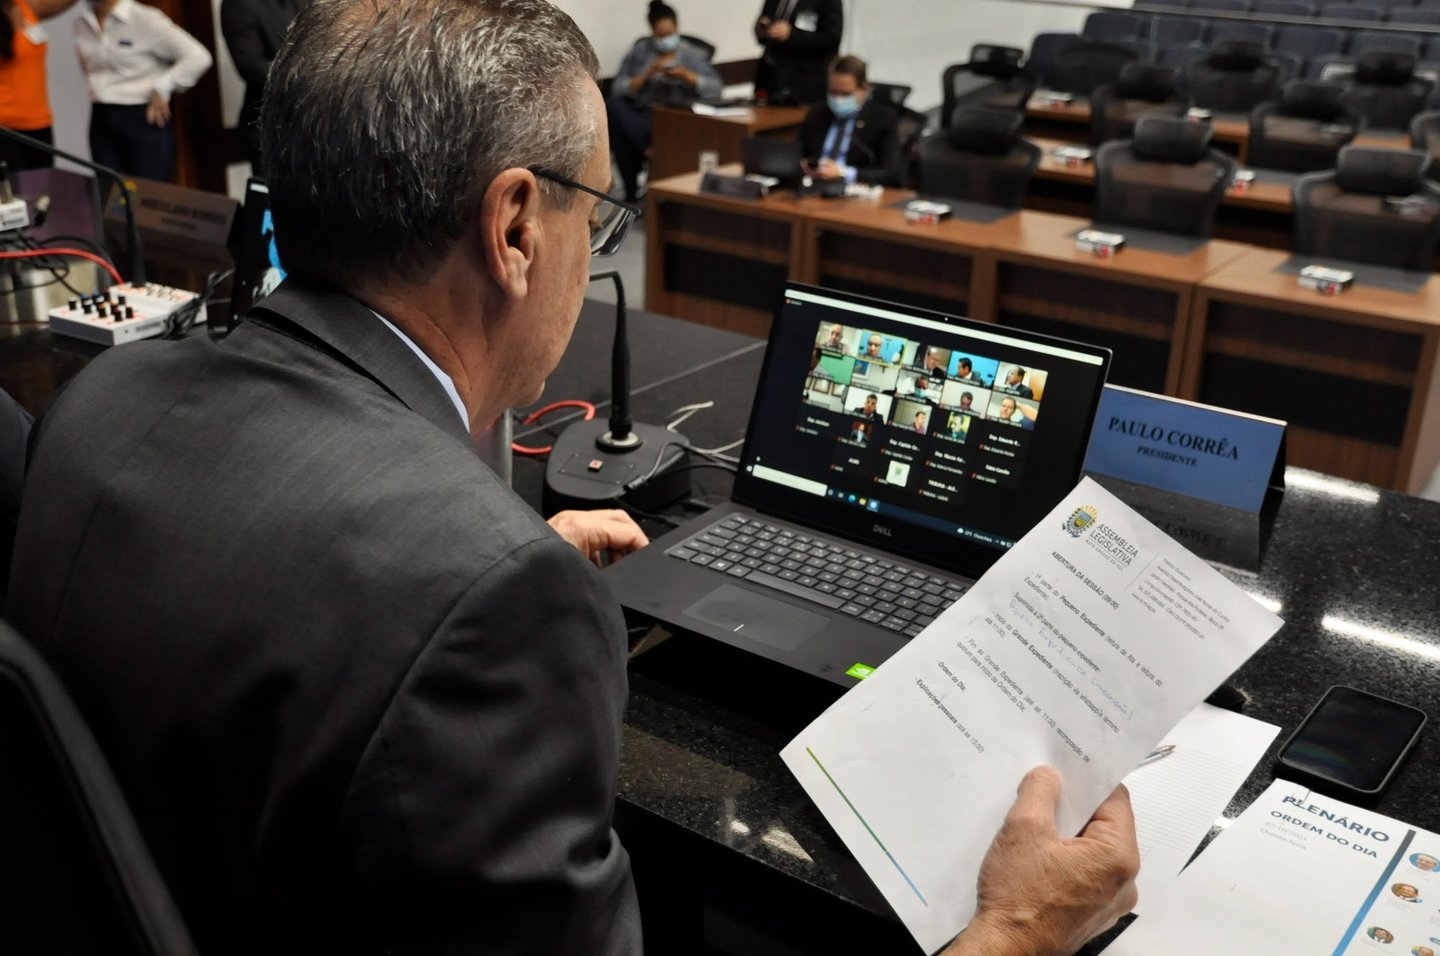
(1353, 571)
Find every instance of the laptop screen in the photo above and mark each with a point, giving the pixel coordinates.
(922, 433)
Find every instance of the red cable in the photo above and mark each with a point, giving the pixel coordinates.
(78, 253)
(540, 413)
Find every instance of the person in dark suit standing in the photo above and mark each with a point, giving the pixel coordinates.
(852, 137)
(360, 698)
(800, 37)
(254, 30)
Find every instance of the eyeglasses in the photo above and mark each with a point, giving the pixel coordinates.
(608, 231)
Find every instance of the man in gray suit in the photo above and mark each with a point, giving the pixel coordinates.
(360, 698)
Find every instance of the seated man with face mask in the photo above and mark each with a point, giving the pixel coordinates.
(660, 69)
(852, 137)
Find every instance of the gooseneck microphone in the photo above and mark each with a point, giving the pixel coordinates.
(620, 437)
(136, 272)
(595, 464)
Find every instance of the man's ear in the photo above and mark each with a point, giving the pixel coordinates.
(509, 229)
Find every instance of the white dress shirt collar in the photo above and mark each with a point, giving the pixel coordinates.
(446, 382)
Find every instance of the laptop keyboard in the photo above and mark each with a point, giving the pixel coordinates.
(874, 589)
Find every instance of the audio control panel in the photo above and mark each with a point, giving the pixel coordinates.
(122, 313)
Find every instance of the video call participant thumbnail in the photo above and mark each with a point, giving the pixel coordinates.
(832, 339)
(1009, 409)
(869, 408)
(970, 399)
(957, 426)
(934, 361)
(973, 370)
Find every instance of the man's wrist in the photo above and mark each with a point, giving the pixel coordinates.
(988, 937)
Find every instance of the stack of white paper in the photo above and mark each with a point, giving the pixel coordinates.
(1079, 649)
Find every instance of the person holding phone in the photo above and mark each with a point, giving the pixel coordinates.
(851, 138)
(663, 68)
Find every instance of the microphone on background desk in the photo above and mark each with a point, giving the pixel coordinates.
(136, 272)
(596, 463)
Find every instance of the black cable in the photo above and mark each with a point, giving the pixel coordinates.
(691, 466)
(81, 241)
(646, 515)
(183, 318)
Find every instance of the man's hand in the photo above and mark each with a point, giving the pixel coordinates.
(1041, 894)
(600, 534)
(828, 169)
(157, 111)
(779, 31)
(762, 28)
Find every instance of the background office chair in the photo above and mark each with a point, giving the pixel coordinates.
(1376, 206)
(1166, 178)
(980, 158)
(1233, 77)
(705, 45)
(1385, 92)
(1109, 26)
(1040, 63)
(75, 876)
(892, 94)
(1303, 130)
(992, 78)
(1425, 136)
(1143, 89)
(1081, 67)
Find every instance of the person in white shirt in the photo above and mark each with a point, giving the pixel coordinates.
(134, 58)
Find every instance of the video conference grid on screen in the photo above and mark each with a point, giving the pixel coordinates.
(921, 422)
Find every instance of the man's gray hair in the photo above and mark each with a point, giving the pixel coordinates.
(386, 120)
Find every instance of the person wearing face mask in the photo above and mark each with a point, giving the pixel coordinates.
(663, 68)
(852, 137)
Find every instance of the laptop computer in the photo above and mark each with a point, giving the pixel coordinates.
(776, 158)
(893, 454)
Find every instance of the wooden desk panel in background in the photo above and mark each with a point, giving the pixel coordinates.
(719, 261)
(1354, 374)
(679, 135)
(1137, 303)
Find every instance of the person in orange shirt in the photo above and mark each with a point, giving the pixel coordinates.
(24, 102)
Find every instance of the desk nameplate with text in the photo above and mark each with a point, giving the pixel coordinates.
(1214, 454)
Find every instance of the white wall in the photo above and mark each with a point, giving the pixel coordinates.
(69, 98)
(905, 41)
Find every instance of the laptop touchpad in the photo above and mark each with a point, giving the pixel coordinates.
(756, 617)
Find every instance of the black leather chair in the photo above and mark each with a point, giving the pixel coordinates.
(1303, 130)
(979, 158)
(1425, 136)
(1107, 26)
(1233, 77)
(1081, 67)
(1044, 48)
(992, 78)
(75, 875)
(1166, 178)
(893, 94)
(704, 45)
(1385, 92)
(1143, 89)
(1376, 206)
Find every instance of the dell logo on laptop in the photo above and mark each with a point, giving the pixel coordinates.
(881, 529)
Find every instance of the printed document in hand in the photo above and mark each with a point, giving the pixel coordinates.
(1079, 649)
(1300, 874)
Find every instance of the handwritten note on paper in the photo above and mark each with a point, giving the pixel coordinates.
(1085, 643)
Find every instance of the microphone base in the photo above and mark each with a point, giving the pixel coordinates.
(583, 474)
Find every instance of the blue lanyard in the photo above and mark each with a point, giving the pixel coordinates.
(844, 151)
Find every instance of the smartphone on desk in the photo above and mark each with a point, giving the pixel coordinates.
(1352, 741)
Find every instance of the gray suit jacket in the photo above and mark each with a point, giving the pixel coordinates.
(359, 696)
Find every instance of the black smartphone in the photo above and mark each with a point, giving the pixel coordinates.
(1353, 740)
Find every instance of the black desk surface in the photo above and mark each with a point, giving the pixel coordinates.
(1355, 572)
